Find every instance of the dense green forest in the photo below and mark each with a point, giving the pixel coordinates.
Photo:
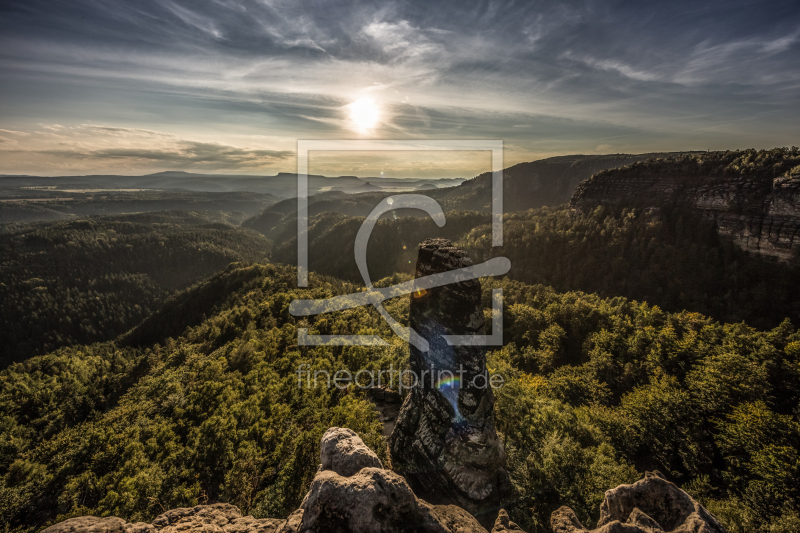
(127, 398)
(61, 205)
(667, 257)
(597, 391)
(90, 280)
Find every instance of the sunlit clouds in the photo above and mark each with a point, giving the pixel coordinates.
(231, 86)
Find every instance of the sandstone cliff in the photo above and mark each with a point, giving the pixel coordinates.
(445, 443)
(754, 197)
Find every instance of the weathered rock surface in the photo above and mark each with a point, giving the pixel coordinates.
(215, 518)
(95, 524)
(345, 453)
(760, 213)
(370, 499)
(387, 403)
(444, 442)
(218, 517)
(651, 505)
(376, 500)
(503, 523)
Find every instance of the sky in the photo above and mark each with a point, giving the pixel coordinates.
(230, 86)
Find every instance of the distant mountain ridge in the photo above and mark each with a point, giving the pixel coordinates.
(547, 182)
(283, 184)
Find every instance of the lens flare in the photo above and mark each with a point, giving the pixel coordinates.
(449, 388)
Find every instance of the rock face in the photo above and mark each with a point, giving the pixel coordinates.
(761, 213)
(444, 442)
(344, 453)
(651, 505)
(504, 524)
(370, 499)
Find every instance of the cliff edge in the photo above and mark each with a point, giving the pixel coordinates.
(753, 196)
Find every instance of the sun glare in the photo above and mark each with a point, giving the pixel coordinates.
(364, 114)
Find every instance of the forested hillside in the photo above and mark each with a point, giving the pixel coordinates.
(671, 258)
(596, 390)
(24, 205)
(90, 280)
(547, 182)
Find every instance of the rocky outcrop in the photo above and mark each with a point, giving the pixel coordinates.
(760, 211)
(371, 498)
(345, 453)
(504, 524)
(444, 442)
(95, 524)
(651, 505)
(215, 518)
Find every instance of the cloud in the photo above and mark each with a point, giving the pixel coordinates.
(185, 154)
(109, 79)
(13, 132)
(615, 66)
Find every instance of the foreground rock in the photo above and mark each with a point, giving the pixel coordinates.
(216, 518)
(370, 498)
(95, 524)
(444, 443)
(651, 505)
(345, 453)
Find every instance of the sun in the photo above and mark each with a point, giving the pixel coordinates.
(364, 114)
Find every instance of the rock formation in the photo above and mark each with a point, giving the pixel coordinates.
(760, 212)
(444, 442)
(215, 518)
(343, 452)
(504, 524)
(651, 505)
(351, 493)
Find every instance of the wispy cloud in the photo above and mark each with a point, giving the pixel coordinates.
(106, 77)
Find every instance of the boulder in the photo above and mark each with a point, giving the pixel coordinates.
(361, 500)
(651, 505)
(343, 452)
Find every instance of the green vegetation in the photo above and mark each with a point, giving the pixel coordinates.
(597, 391)
(90, 280)
(194, 397)
(530, 185)
(53, 205)
(596, 385)
(215, 414)
(670, 258)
